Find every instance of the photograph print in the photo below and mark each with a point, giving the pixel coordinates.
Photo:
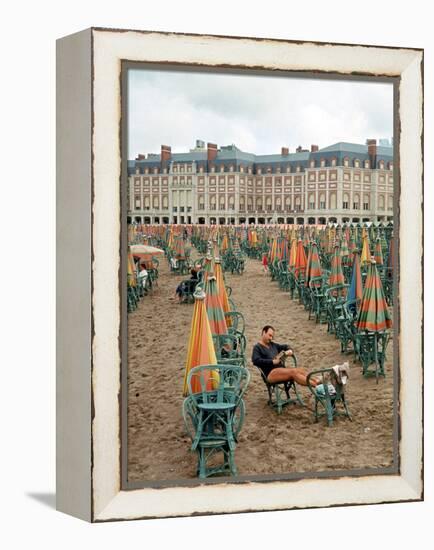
(260, 276)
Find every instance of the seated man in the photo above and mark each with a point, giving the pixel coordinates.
(187, 286)
(265, 356)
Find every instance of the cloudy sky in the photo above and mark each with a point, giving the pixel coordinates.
(259, 114)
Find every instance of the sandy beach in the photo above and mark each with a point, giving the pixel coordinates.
(158, 447)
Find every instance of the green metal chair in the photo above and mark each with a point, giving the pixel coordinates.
(214, 414)
(335, 297)
(329, 398)
(371, 350)
(230, 348)
(237, 321)
(279, 394)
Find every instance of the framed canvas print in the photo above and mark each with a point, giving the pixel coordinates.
(239, 261)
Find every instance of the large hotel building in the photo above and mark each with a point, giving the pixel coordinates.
(339, 183)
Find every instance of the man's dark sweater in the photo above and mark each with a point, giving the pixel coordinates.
(263, 356)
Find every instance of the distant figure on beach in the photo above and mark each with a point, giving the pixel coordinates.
(265, 355)
(265, 263)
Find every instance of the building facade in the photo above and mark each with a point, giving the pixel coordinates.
(340, 183)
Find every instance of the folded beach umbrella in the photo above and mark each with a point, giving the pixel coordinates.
(214, 308)
(293, 253)
(200, 349)
(378, 253)
(345, 253)
(315, 264)
(356, 287)
(308, 264)
(300, 259)
(366, 253)
(336, 273)
(221, 287)
(131, 274)
(208, 267)
(374, 314)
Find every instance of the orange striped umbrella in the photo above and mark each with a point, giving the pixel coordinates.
(293, 253)
(221, 287)
(315, 264)
(300, 259)
(200, 346)
(214, 307)
(336, 273)
(378, 254)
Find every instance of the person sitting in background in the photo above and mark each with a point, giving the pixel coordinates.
(187, 286)
(266, 356)
(142, 277)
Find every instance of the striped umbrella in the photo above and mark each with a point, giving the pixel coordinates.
(131, 274)
(374, 315)
(378, 254)
(300, 259)
(221, 287)
(200, 345)
(356, 287)
(345, 253)
(366, 253)
(293, 253)
(214, 307)
(309, 261)
(179, 248)
(315, 264)
(336, 274)
(208, 267)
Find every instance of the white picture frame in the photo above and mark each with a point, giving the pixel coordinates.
(89, 170)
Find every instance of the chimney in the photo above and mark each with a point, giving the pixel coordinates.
(372, 151)
(166, 153)
(314, 148)
(285, 151)
(212, 151)
(140, 157)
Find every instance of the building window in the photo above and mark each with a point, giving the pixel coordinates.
(322, 163)
(155, 202)
(381, 202)
(241, 168)
(333, 162)
(259, 171)
(222, 168)
(390, 202)
(357, 163)
(165, 200)
(298, 168)
(345, 205)
(356, 202)
(346, 161)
